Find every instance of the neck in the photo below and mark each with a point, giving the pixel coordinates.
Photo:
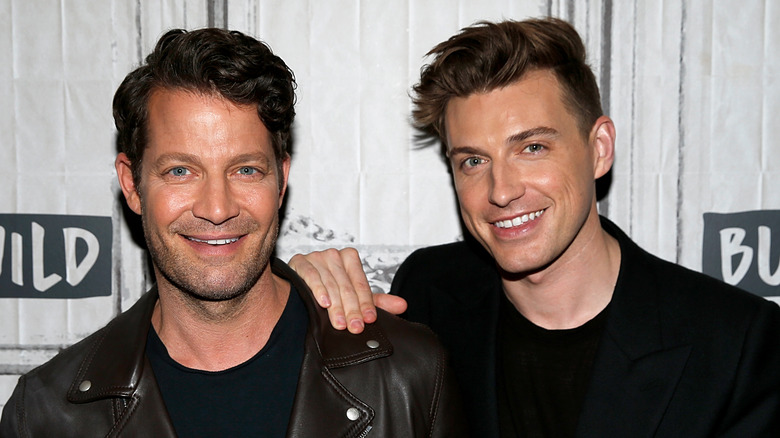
(574, 288)
(217, 335)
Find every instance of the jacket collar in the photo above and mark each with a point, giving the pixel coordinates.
(338, 348)
(635, 322)
(636, 368)
(116, 361)
(114, 365)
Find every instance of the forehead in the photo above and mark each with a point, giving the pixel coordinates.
(203, 123)
(535, 100)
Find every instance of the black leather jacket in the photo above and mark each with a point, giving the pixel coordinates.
(399, 385)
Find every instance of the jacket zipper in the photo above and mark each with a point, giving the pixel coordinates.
(365, 432)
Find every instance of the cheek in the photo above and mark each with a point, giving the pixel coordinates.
(578, 186)
(262, 203)
(467, 200)
(165, 206)
(471, 192)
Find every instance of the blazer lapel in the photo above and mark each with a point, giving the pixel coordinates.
(636, 369)
(628, 397)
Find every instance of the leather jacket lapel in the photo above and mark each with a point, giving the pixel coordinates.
(117, 368)
(146, 411)
(323, 405)
(113, 367)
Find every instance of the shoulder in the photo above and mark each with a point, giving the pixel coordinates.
(105, 348)
(454, 255)
(694, 302)
(418, 360)
(688, 288)
(55, 376)
(449, 264)
(408, 337)
(703, 301)
(45, 388)
(453, 281)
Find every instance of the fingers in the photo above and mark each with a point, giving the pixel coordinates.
(365, 309)
(347, 269)
(339, 284)
(390, 303)
(303, 266)
(315, 269)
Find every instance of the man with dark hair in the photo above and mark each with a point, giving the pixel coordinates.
(558, 324)
(229, 342)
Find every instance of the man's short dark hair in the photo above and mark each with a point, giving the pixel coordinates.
(211, 61)
(487, 56)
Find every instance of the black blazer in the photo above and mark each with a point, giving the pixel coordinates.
(682, 354)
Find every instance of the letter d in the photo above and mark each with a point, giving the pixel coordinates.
(75, 272)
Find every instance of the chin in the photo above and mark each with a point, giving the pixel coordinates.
(519, 265)
(215, 287)
(217, 295)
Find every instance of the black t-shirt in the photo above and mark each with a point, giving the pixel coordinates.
(253, 399)
(542, 374)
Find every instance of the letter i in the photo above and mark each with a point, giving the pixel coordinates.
(17, 273)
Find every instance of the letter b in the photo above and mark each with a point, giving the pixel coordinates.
(731, 245)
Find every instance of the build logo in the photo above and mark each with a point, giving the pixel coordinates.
(743, 249)
(54, 256)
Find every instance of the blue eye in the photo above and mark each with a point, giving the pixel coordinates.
(247, 171)
(472, 161)
(179, 171)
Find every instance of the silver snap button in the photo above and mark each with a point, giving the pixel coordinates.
(353, 414)
(372, 344)
(85, 385)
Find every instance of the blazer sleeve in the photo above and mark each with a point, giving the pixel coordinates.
(754, 409)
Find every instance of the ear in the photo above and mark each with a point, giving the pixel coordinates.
(124, 172)
(284, 176)
(602, 139)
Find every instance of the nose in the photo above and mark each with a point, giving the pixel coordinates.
(215, 202)
(506, 184)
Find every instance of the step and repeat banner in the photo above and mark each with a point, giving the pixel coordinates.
(692, 85)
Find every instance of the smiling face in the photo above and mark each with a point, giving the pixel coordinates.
(524, 174)
(209, 194)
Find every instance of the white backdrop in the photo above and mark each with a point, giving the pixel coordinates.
(692, 85)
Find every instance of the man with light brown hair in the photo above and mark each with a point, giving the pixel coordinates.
(557, 323)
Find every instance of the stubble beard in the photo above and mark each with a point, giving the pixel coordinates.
(200, 285)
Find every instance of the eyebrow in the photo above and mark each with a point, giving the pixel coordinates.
(258, 157)
(176, 156)
(539, 131)
(192, 159)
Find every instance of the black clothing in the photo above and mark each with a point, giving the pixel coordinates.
(682, 354)
(391, 380)
(542, 374)
(252, 399)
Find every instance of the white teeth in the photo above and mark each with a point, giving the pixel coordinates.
(519, 220)
(215, 241)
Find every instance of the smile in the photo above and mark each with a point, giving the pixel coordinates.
(215, 241)
(519, 220)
